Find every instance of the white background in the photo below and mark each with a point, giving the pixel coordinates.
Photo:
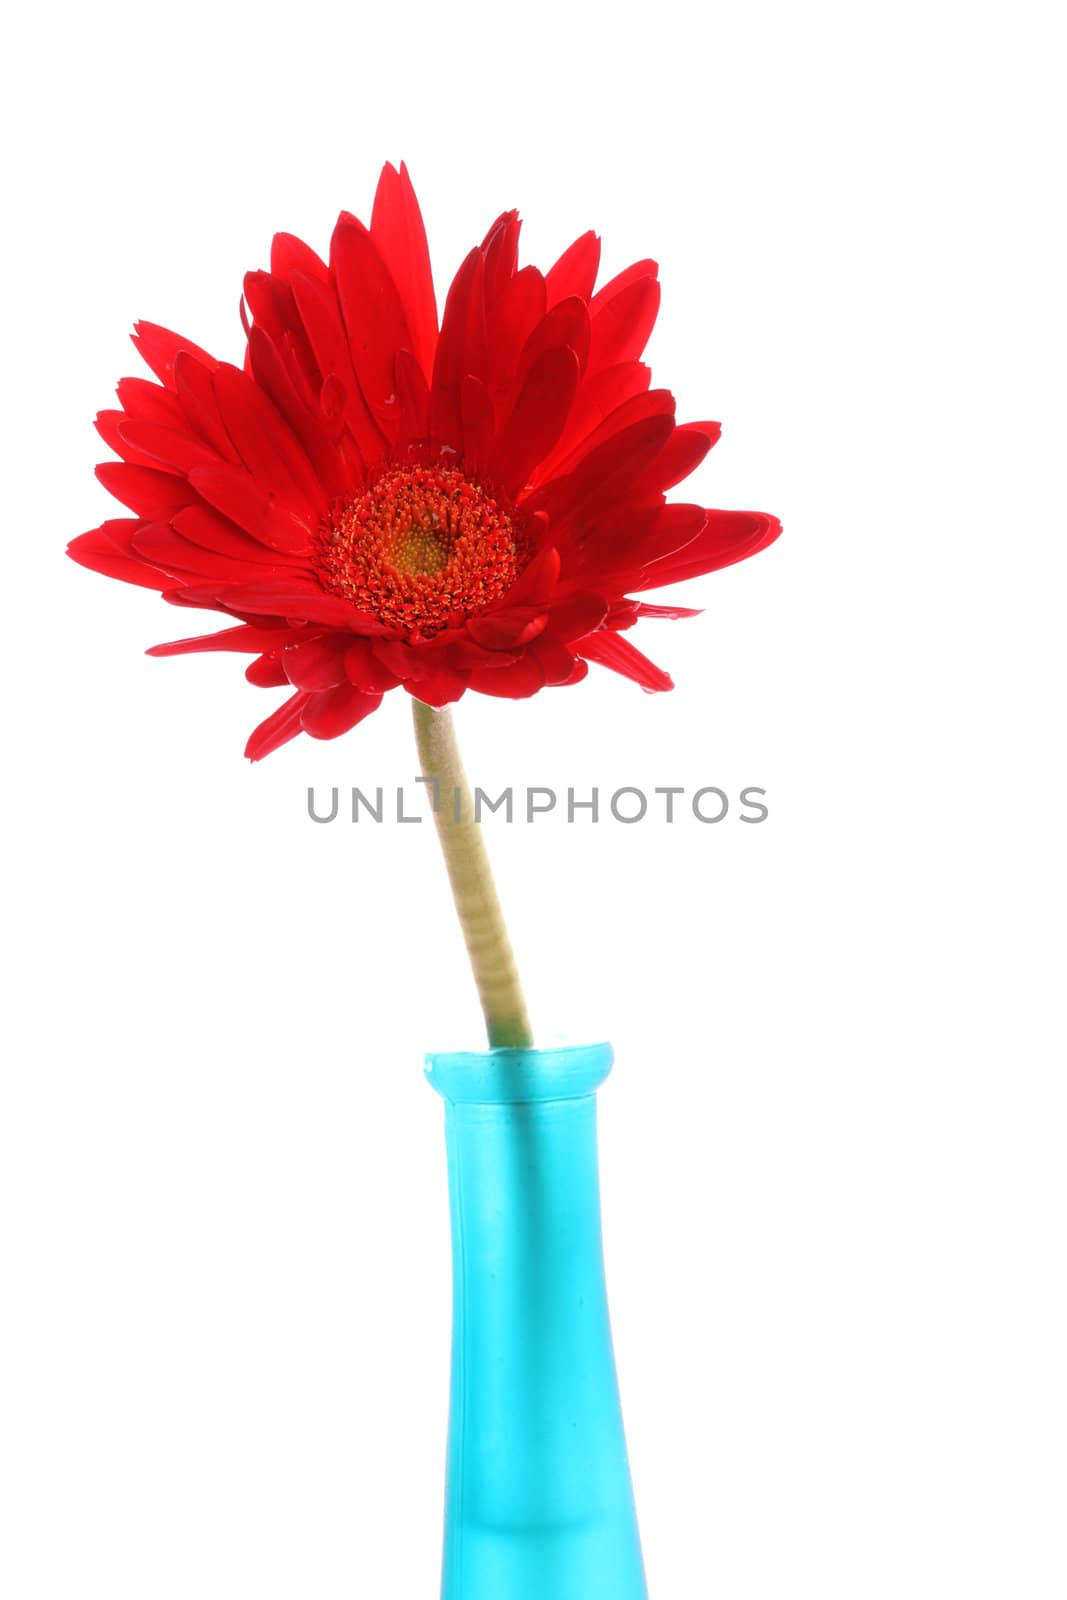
(833, 1144)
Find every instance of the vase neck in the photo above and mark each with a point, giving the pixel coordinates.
(519, 1076)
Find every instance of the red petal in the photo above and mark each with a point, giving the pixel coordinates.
(321, 317)
(163, 547)
(179, 452)
(566, 324)
(266, 444)
(290, 255)
(241, 639)
(684, 451)
(276, 315)
(612, 650)
(279, 728)
(677, 526)
(448, 371)
(401, 658)
(728, 537)
(413, 393)
(270, 300)
(500, 252)
(616, 548)
(476, 341)
(463, 655)
(673, 613)
(106, 550)
(537, 581)
(154, 496)
(333, 712)
(308, 425)
(596, 399)
(206, 528)
(553, 657)
(477, 414)
(607, 472)
(600, 548)
(634, 273)
(515, 682)
(397, 230)
(316, 663)
(507, 630)
(575, 271)
(622, 322)
(158, 348)
(511, 317)
(576, 615)
(141, 398)
(621, 614)
(239, 497)
(277, 598)
(108, 425)
(266, 673)
(539, 416)
(440, 688)
(365, 670)
(196, 391)
(646, 403)
(625, 542)
(374, 319)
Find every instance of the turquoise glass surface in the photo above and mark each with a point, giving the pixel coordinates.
(539, 1504)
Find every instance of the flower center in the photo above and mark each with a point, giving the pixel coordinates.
(421, 549)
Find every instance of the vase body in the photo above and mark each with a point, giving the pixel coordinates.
(539, 1504)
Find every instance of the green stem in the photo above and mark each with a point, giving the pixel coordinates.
(473, 890)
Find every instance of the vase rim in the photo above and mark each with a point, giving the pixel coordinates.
(519, 1076)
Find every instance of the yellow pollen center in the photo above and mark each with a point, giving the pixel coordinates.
(421, 549)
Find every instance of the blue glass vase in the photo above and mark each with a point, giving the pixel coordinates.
(539, 1504)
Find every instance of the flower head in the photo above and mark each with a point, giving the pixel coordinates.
(374, 501)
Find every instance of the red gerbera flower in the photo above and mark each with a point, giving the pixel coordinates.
(377, 503)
